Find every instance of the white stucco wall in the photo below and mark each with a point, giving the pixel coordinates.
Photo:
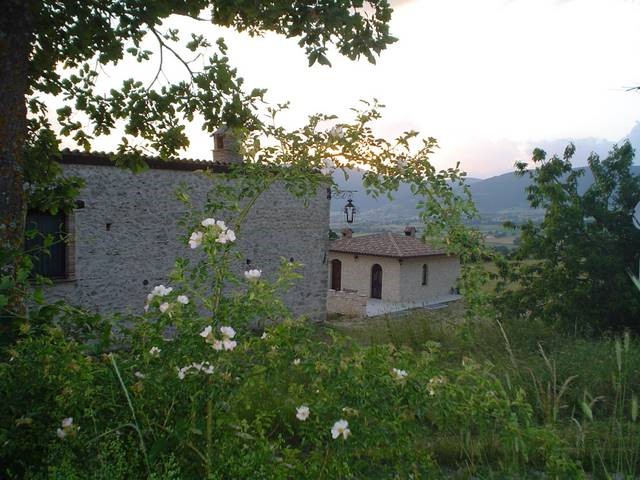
(443, 273)
(356, 274)
(401, 281)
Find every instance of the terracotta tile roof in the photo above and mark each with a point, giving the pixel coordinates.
(77, 157)
(385, 245)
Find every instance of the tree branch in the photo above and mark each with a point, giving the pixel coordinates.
(159, 68)
(175, 54)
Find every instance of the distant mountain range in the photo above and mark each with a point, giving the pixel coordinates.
(501, 197)
(507, 192)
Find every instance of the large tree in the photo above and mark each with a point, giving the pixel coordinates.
(573, 267)
(58, 47)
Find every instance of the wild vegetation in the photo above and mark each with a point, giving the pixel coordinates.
(222, 383)
(571, 269)
(278, 405)
(215, 379)
(584, 390)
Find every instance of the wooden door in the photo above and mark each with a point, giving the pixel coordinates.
(376, 281)
(336, 275)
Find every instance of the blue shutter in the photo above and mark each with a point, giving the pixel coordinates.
(53, 263)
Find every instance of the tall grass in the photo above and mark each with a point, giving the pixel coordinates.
(585, 389)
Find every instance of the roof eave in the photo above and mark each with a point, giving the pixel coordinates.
(442, 254)
(74, 157)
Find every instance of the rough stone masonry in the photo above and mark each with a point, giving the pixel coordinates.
(126, 237)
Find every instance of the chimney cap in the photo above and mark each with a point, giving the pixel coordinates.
(347, 233)
(410, 231)
(221, 130)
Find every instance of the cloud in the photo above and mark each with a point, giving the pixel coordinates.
(486, 158)
(481, 158)
(399, 3)
(584, 148)
(555, 2)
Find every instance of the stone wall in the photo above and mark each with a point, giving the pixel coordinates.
(126, 238)
(347, 303)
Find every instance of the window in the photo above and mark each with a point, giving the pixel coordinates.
(336, 274)
(51, 230)
(219, 142)
(425, 274)
(376, 281)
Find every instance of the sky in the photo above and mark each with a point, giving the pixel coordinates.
(489, 79)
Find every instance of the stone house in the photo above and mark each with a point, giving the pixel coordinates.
(124, 236)
(387, 272)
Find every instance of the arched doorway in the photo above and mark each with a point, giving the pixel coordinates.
(336, 275)
(376, 281)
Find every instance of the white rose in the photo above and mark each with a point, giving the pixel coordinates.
(399, 374)
(183, 299)
(195, 240)
(253, 274)
(341, 427)
(302, 413)
(229, 344)
(227, 332)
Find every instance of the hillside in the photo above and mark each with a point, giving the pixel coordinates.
(497, 199)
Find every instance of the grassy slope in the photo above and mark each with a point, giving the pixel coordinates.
(566, 379)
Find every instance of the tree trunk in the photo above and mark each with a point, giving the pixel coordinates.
(15, 40)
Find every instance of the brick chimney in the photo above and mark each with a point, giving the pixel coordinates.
(225, 146)
(347, 233)
(410, 231)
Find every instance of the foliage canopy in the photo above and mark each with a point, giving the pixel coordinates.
(70, 40)
(573, 267)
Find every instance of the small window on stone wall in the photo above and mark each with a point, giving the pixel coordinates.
(47, 243)
(425, 274)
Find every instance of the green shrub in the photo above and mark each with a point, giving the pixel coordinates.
(240, 421)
